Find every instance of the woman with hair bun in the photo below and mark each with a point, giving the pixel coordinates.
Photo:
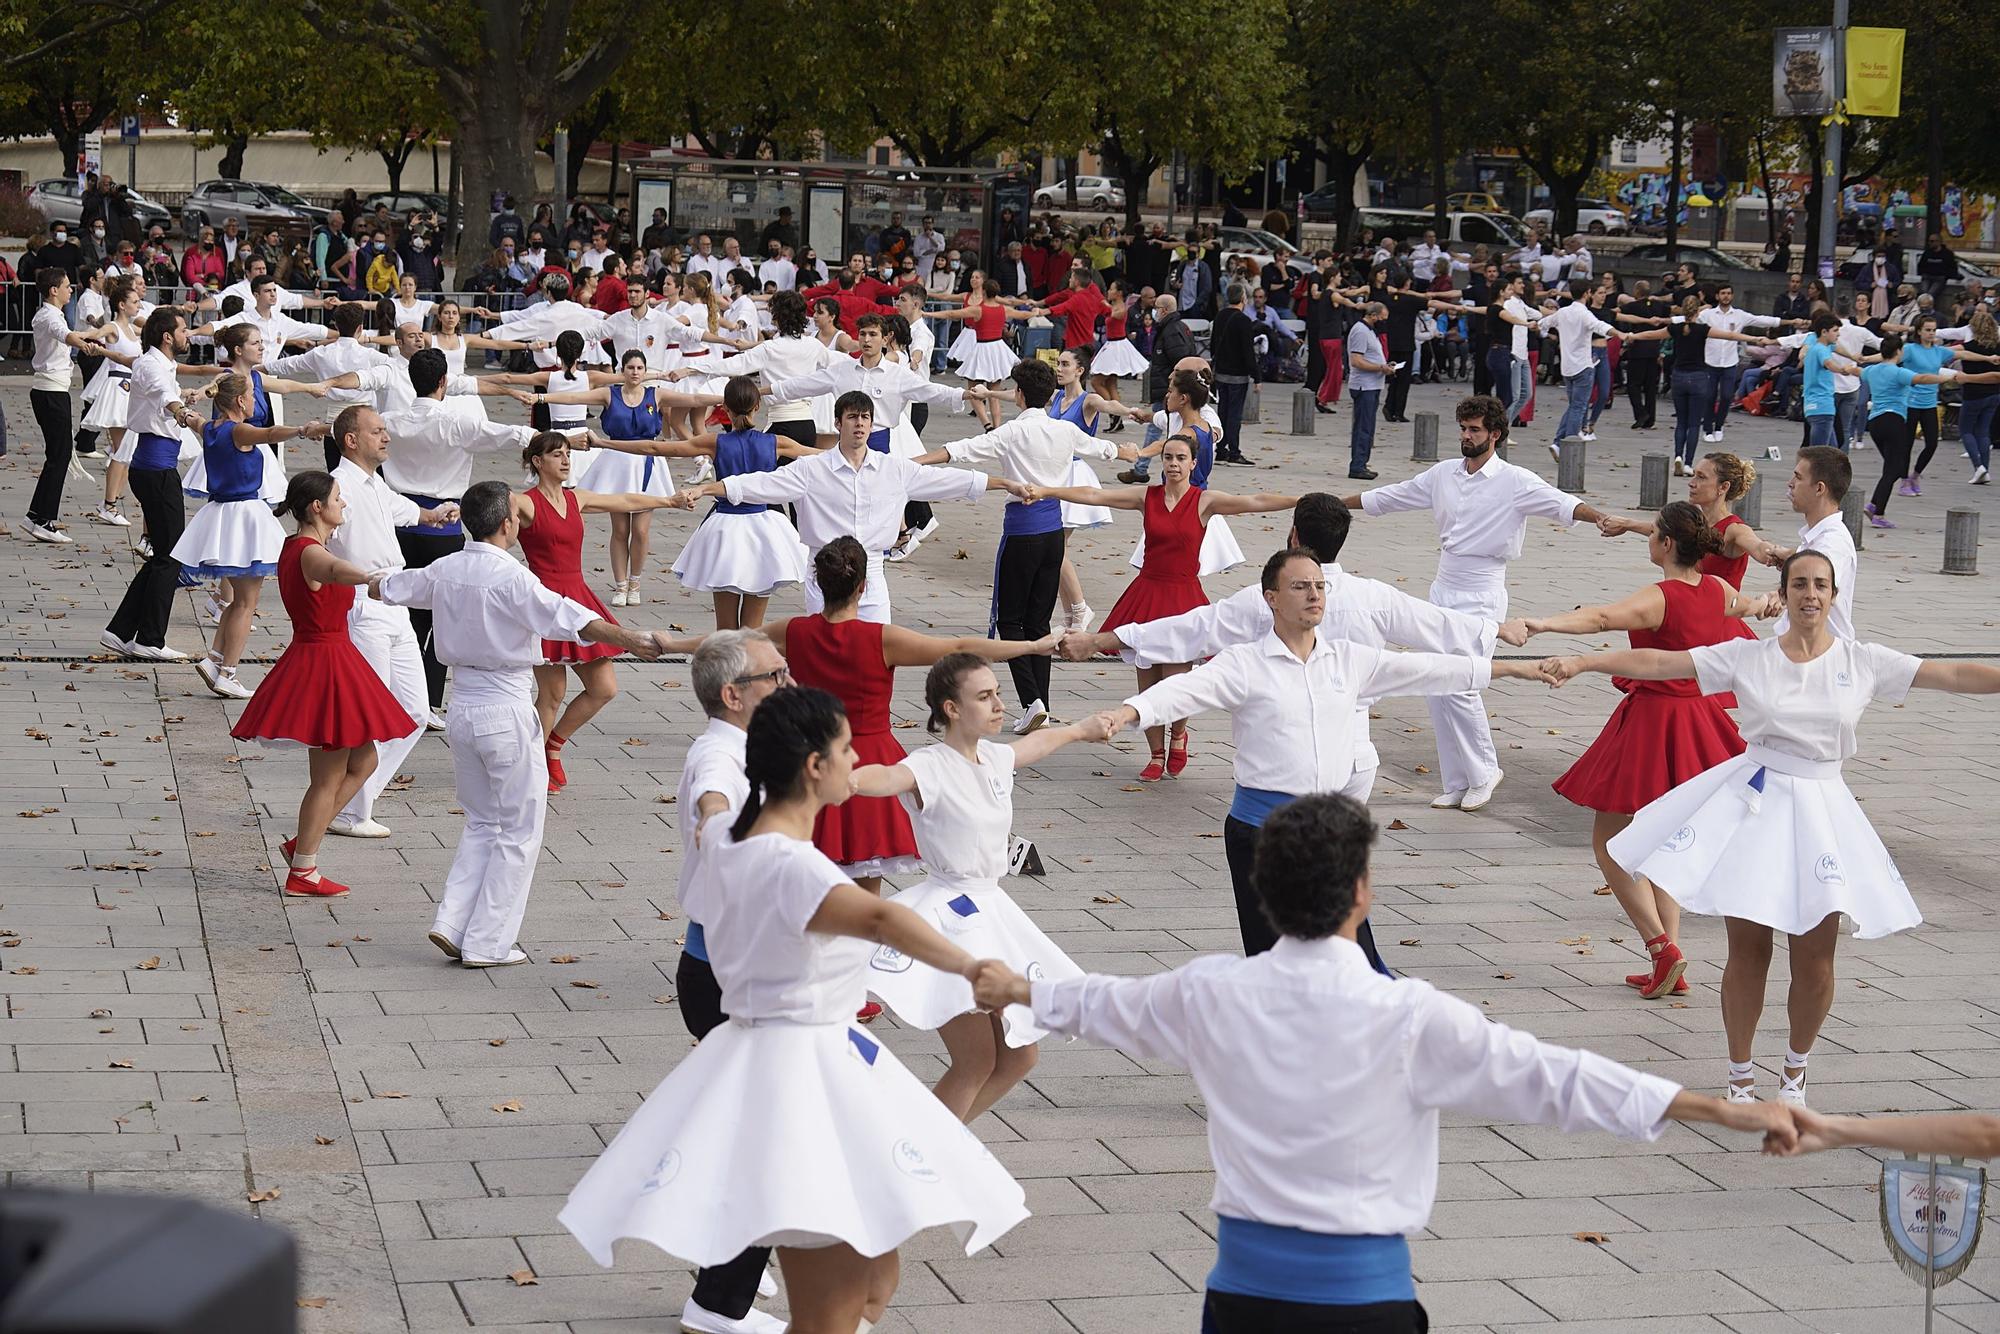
(1718, 481)
(321, 692)
(959, 795)
(1662, 733)
(788, 1126)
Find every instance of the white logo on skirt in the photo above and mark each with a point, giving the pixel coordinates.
(910, 1162)
(889, 959)
(1827, 868)
(1034, 972)
(664, 1171)
(1682, 840)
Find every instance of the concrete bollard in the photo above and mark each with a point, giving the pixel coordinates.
(1652, 482)
(1305, 409)
(1961, 542)
(1851, 515)
(1569, 467)
(1749, 506)
(1253, 406)
(1424, 443)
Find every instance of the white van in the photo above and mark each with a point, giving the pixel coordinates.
(1498, 232)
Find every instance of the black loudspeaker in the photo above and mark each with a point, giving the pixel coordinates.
(141, 1264)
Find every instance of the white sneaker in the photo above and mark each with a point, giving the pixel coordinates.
(108, 514)
(434, 721)
(767, 1287)
(1978, 477)
(1680, 470)
(219, 680)
(700, 1320)
(351, 828)
(633, 597)
(1775, 454)
(1080, 617)
(929, 526)
(155, 654)
(1031, 718)
(1555, 451)
(703, 471)
(144, 546)
(1588, 437)
(1476, 797)
(1713, 437)
(1447, 801)
(514, 956)
(110, 641)
(618, 596)
(42, 534)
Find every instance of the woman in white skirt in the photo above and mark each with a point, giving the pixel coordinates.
(1084, 410)
(788, 1126)
(960, 797)
(110, 390)
(1772, 840)
(1118, 355)
(233, 536)
(989, 360)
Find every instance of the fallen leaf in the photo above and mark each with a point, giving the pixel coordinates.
(392, 1093)
(524, 1278)
(663, 1000)
(265, 1196)
(100, 1014)
(665, 916)
(1411, 940)
(401, 783)
(1423, 768)
(496, 1042)
(1504, 977)
(665, 799)
(615, 884)
(587, 986)
(119, 1065)
(190, 1028)
(1106, 898)
(1601, 890)
(1395, 825)
(107, 907)
(26, 970)
(1577, 940)
(511, 1105)
(199, 1097)
(1210, 834)
(322, 1139)
(1594, 1238)
(148, 965)
(1132, 787)
(1618, 940)
(1585, 950)
(1554, 732)
(633, 741)
(311, 1303)
(961, 554)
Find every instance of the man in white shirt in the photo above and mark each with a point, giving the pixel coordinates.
(1575, 324)
(156, 414)
(1035, 450)
(375, 510)
(779, 269)
(338, 355)
(543, 321)
(287, 298)
(1482, 505)
(1424, 258)
(277, 327)
(1725, 358)
(491, 614)
(48, 395)
(1578, 262)
(1852, 340)
(853, 490)
(645, 324)
(1323, 1081)
(598, 251)
(926, 244)
(391, 382)
(705, 260)
(889, 387)
(1368, 369)
(1818, 484)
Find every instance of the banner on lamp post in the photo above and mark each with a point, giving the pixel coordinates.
(1802, 72)
(1874, 71)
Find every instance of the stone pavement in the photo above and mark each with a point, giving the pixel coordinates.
(172, 1024)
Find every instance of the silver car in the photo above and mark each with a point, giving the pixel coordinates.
(257, 205)
(60, 199)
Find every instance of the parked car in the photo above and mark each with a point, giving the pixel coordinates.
(60, 199)
(1599, 217)
(1323, 203)
(1474, 201)
(1263, 245)
(1495, 231)
(1705, 257)
(1091, 192)
(257, 205)
(407, 202)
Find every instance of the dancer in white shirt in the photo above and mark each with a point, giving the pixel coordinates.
(789, 1126)
(1482, 505)
(1323, 1082)
(491, 615)
(1772, 840)
(960, 797)
(791, 353)
(1818, 484)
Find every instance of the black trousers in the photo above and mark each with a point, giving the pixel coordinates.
(726, 1289)
(1024, 600)
(1396, 403)
(86, 437)
(1925, 420)
(1482, 374)
(1642, 388)
(1231, 400)
(1239, 845)
(1891, 434)
(52, 414)
(142, 615)
(917, 513)
(1234, 1313)
(419, 550)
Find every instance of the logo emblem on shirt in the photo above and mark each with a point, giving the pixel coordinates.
(1842, 679)
(1827, 869)
(1034, 972)
(889, 959)
(909, 1160)
(958, 916)
(664, 1171)
(1682, 840)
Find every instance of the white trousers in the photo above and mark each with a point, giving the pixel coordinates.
(1360, 784)
(874, 594)
(1466, 757)
(383, 635)
(503, 784)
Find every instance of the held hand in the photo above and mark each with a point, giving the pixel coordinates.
(1556, 671)
(649, 647)
(1094, 728)
(522, 396)
(318, 390)
(687, 499)
(315, 430)
(1774, 1120)
(1128, 453)
(995, 986)
(1515, 632)
(1611, 525)
(1815, 1133)
(1027, 495)
(1774, 605)
(1114, 721)
(1074, 646)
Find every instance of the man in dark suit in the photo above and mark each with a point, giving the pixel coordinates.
(1011, 272)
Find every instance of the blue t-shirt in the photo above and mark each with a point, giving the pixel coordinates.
(1889, 388)
(1921, 360)
(1819, 380)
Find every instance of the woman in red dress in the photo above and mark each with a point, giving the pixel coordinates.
(856, 660)
(987, 360)
(1718, 481)
(1176, 517)
(321, 692)
(1663, 732)
(552, 543)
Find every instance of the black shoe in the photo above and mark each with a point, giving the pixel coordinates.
(1238, 461)
(1323, 408)
(1363, 475)
(1132, 478)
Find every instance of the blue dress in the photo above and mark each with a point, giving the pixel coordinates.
(612, 472)
(1080, 473)
(742, 548)
(232, 535)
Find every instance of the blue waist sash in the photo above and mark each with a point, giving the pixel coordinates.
(156, 451)
(1315, 1268)
(1254, 805)
(695, 945)
(433, 529)
(878, 440)
(1025, 520)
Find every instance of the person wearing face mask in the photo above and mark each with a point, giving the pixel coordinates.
(61, 252)
(420, 261)
(97, 245)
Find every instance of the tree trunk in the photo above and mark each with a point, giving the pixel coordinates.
(454, 213)
(1438, 208)
(1674, 190)
(498, 152)
(1934, 168)
(1343, 165)
(395, 160)
(1135, 174)
(231, 165)
(1770, 200)
(1069, 182)
(1815, 194)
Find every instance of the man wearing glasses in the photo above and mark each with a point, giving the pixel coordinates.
(734, 671)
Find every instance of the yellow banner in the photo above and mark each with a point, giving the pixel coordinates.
(1874, 71)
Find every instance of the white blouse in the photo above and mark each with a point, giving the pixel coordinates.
(768, 964)
(962, 812)
(1807, 709)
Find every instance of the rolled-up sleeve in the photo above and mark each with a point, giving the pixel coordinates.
(1142, 1016)
(928, 483)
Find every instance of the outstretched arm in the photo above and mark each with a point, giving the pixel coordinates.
(1222, 502)
(907, 648)
(1640, 664)
(1960, 678)
(1643, 610)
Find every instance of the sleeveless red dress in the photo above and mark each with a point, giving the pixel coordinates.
(1730, 570)
(553, 545)
(844, 658)
(1114, 324)
(991, 323)
(1663, 732)
(321, 691)
(1169, 582)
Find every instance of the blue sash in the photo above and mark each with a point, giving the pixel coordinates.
(158, 452)
(453, 529)
(878, 440)
(1289, 1264)
(1254, 805)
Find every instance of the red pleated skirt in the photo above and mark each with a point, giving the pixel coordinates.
(1651, 744)
(1150, 597)
(864, 829)
(563, 651)
(323, 693)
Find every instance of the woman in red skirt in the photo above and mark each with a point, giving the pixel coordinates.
(1176, 516)
(552, 543)
(1663, 732)
(1718, 481)
(321, 692)
(856, 661)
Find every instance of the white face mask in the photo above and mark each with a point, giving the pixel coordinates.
(417, 244)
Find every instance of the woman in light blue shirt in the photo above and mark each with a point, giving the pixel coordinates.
(1926, 356)
(1891, 386)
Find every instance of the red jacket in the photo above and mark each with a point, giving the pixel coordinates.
(853, 305)
(199, 270)
(611, 296)
(1079, 308)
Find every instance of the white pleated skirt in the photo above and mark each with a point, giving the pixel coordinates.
(962, 346)
(108, 409)
(1219, 551)
(229, 539)
(752, 554)
(984, 921)
(1746, 839)
(990, 361)
(785, 1134)
(613, 472)
(1119, 356)
(1083, 516)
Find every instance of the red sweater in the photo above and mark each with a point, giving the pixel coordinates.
(1079, 307)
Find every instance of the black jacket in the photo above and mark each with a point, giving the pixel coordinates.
(1231, 350)
(1171, 342)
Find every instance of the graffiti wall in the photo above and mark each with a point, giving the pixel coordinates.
(1969, 218)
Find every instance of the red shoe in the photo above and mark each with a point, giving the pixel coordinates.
(1669, 966)
(558, 780)
(1156, 770)
(868, 1013)
(1177, 753)
(288, 846)
(298, 887)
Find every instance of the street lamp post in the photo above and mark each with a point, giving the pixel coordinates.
(1829, 195)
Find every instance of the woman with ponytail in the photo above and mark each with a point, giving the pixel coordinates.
(1717, 482)
(1662, 733)
(321, 692)
(788, 1125)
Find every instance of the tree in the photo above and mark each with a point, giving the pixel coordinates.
(506, 72)
(1704, 63)
(734, 108)
(68, 89)
(1348, 74)
(1560, 124)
